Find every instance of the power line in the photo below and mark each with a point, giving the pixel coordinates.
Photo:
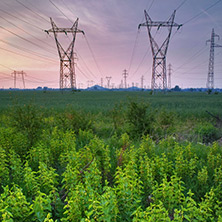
(6, 67)
(82, 72)
(24, 39)
(59, 10)
(181, 5)
(140, 64)
(202, 12)
(94, 58)
(40, 16)
(197, 54)
(150, 5)
(5, 74)
(16, 53)
(16, 17)
(133, 52)
(86, 65)
(67, 7)
(29, 51)
(26, 31)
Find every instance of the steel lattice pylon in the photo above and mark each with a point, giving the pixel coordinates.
(159, 52)
(67, 68)
(210, 77)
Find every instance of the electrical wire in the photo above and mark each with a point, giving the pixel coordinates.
(40, 16)
(94, 58)
(140, 64)
(67, 7)
(181, 5)
(5, 74)
(33, 36)
(133, 52)
(24, 39)
(86, 65)
(6, 67)
(18, 18)
(16, 53)
(59, 10)
(29, 51)
(150, 6)
(202, 12)
(197, 54)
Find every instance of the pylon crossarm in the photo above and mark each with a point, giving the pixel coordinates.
(217, 45)
(159, 24)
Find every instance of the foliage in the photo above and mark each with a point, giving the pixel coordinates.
(206, 132)
(74, 120)
(111, 164)
(28, 120)
(139, 118)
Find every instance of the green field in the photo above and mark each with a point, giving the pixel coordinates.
(110, 156)
(182, 102)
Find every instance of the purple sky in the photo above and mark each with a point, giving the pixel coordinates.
(112, 42)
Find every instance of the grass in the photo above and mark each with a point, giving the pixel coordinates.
(183, 103)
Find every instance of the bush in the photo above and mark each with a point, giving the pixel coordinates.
(139, 118)
(206, 132)
(74, 120)
(28, 120)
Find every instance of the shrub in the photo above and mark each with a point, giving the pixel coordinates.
(13, 203)
(74, 120)
(28, 120)
(164, 124)
(139, 118)
(206, 132)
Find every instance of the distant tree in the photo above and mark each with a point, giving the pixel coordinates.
(176, 88)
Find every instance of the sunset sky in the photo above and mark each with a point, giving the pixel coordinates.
(111, 43)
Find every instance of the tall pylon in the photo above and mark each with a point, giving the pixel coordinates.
(67, 64)
(15, 74)
(210, 77)
(159, 78)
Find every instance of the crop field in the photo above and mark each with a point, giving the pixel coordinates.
(110, 156)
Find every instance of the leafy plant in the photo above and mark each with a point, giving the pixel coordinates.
(140, 119)
(28, 120)
(13, 205)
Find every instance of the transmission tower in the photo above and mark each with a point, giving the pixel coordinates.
(159, 52)
(169, 76)
(125, 74)
(210, 78)
(108, 81)
(22, 74)
(142, 80)
(67, 65)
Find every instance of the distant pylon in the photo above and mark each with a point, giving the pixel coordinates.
(67, 65)
(125, 74)
(169, 76)
(15, 73)
(108, 81)
(210, 77)
(142, 80)
(159, 52)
